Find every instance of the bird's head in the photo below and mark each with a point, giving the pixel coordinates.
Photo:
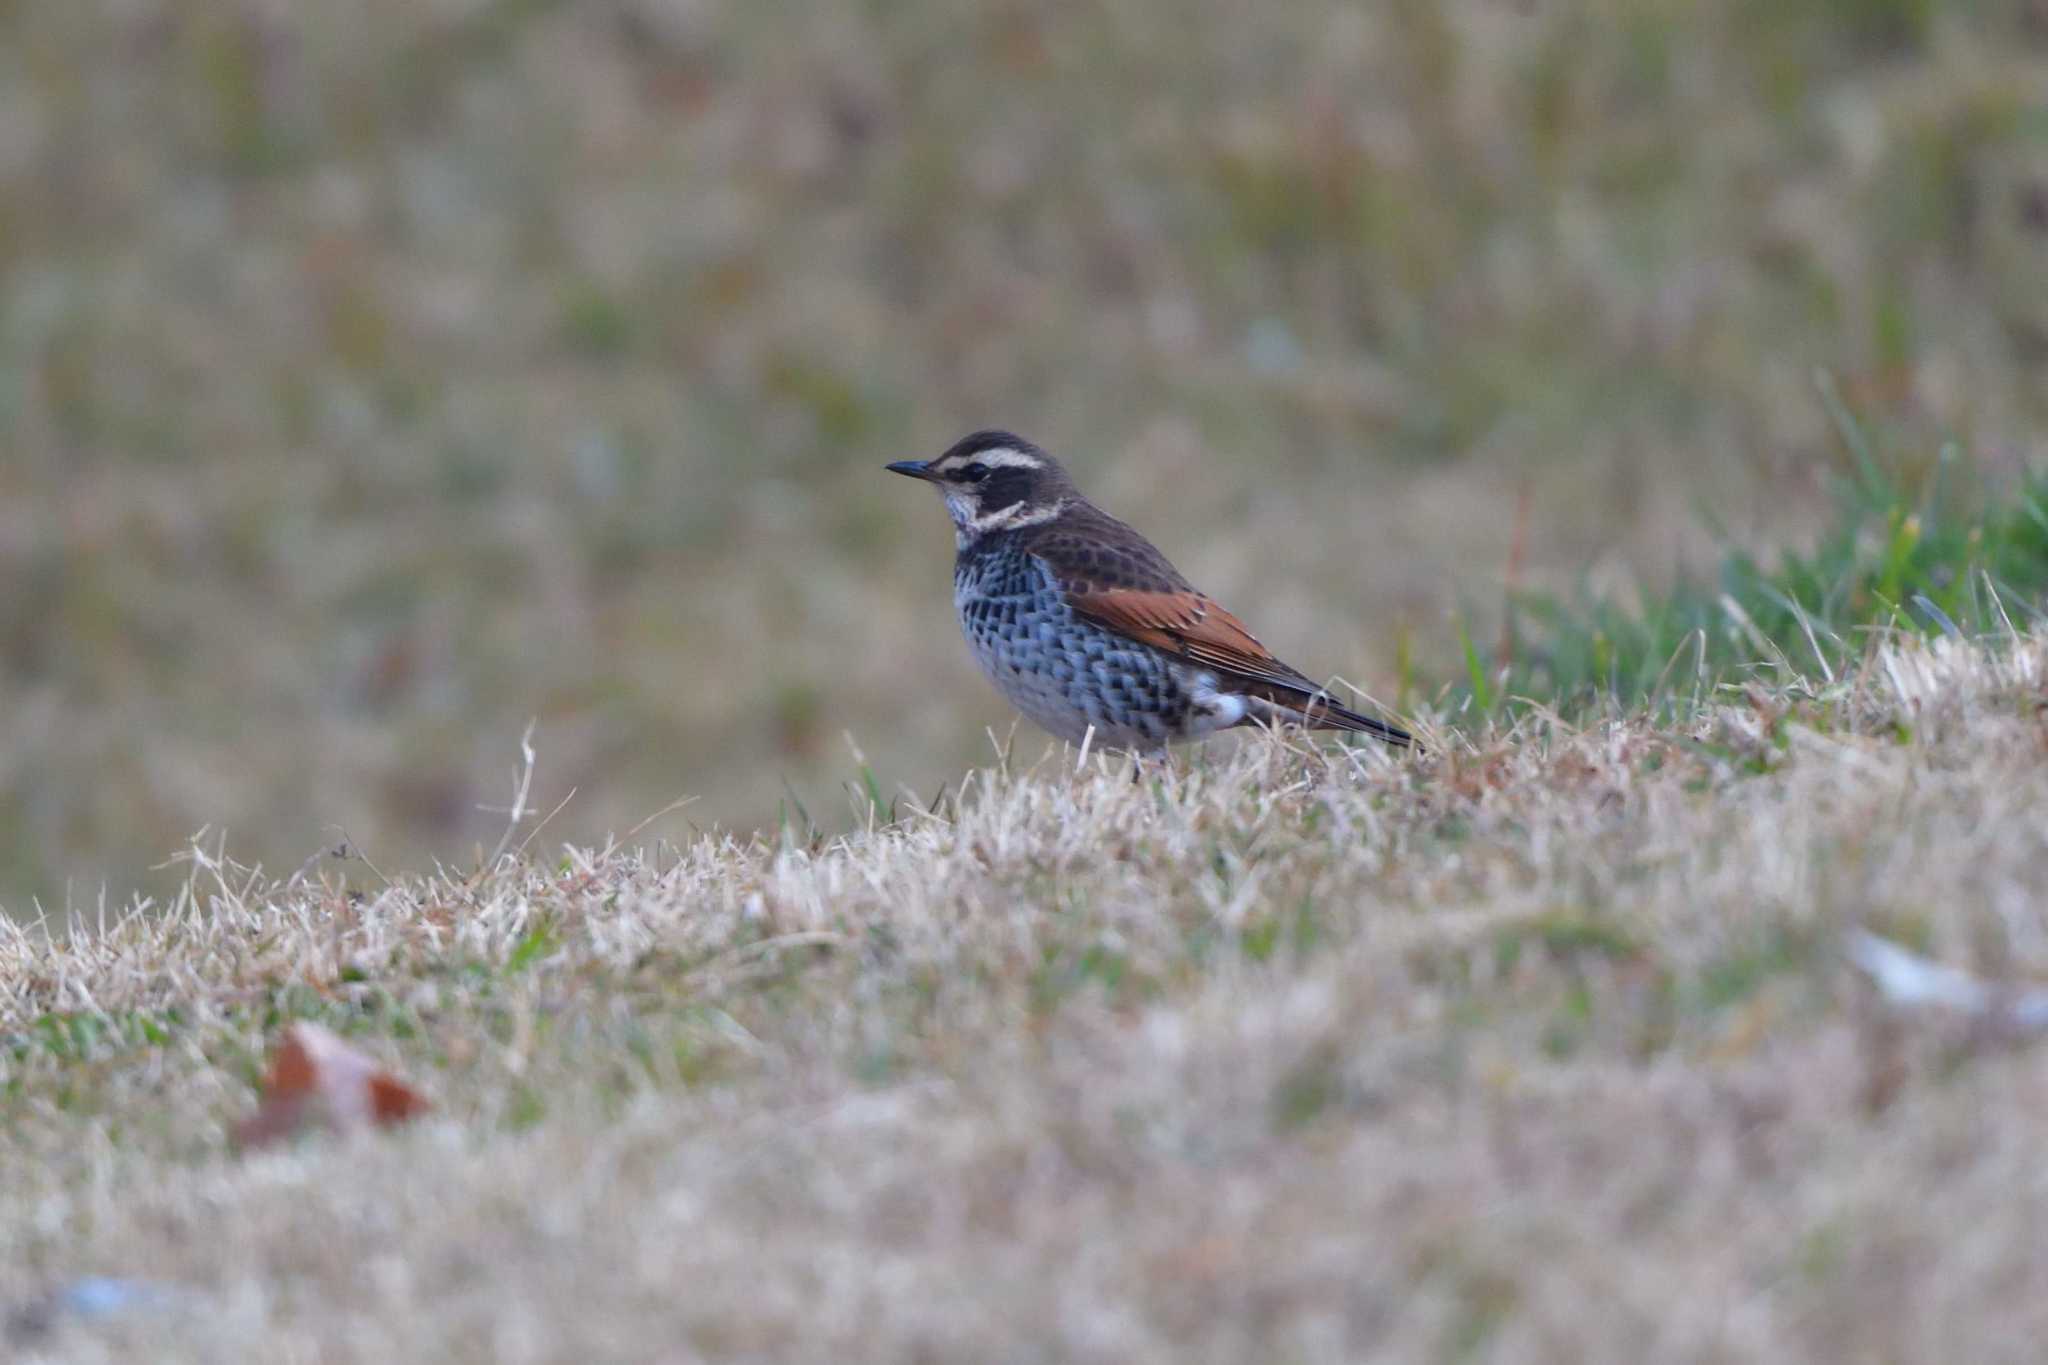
(993, 481)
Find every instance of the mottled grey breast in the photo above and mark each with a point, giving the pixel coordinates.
(1063, 672)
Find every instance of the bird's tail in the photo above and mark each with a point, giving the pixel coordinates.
(1324, 714)
(1320, 713)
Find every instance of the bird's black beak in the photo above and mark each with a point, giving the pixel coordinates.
(916, 469)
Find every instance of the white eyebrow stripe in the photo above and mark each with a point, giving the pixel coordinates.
(998, 457)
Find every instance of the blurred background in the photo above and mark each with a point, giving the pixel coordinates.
(374, 377)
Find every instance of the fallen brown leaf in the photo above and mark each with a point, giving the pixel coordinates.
(317, 1079)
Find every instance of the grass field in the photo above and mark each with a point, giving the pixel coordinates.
(1650, 400)
(376, 379)
(1542, 1046)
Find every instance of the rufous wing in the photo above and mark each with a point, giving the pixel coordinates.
(1192, 626)
(1112, 576)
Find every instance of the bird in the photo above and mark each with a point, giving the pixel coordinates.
(1087, 628)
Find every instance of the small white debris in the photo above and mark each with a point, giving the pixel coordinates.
(1906, 979)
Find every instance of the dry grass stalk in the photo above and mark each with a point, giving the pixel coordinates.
(1542, 1047)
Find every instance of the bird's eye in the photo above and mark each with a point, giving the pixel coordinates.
(974, 473)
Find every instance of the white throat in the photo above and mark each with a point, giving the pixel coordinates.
(970, 523)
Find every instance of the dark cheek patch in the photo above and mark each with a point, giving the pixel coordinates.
(1003, 487)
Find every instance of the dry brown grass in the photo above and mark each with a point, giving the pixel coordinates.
(376, 377)
(1540, 1047)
